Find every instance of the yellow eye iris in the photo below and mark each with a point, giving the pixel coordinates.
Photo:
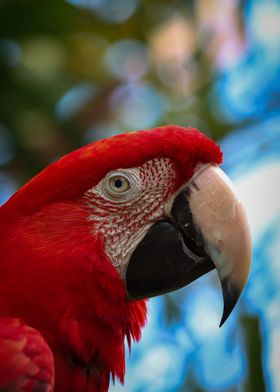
(121, 185)
(118, 185)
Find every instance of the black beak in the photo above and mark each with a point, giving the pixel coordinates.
(177, 251)
(164, 262)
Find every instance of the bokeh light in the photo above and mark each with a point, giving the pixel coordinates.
(127, 59)
(7, 186)
(74, 99)
(137, 105)
(110, 11)
(6, 145)
(10, 52)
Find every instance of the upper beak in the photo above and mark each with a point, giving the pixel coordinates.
(207, 228)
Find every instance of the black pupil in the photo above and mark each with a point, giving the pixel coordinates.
(118, 183)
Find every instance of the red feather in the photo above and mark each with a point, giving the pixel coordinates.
(54, 272)
(25, 358)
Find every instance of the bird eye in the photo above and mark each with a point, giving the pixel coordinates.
(117, 185)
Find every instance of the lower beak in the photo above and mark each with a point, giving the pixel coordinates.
(207, 229)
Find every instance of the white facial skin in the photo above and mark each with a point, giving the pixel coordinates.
(127, 202)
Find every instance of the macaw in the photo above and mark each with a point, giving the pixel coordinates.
(91, 237)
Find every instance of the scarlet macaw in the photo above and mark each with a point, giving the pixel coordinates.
(94, 234)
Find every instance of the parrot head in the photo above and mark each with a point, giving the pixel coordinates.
(141, 214)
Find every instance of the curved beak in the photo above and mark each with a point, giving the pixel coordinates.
(207, 228)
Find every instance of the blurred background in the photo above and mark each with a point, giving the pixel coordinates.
(75, 71)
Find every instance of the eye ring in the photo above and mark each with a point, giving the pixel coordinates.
(117, 185)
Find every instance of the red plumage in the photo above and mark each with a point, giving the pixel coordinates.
(26, 359)
(54, 272)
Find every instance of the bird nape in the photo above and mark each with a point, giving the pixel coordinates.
(86, 241)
